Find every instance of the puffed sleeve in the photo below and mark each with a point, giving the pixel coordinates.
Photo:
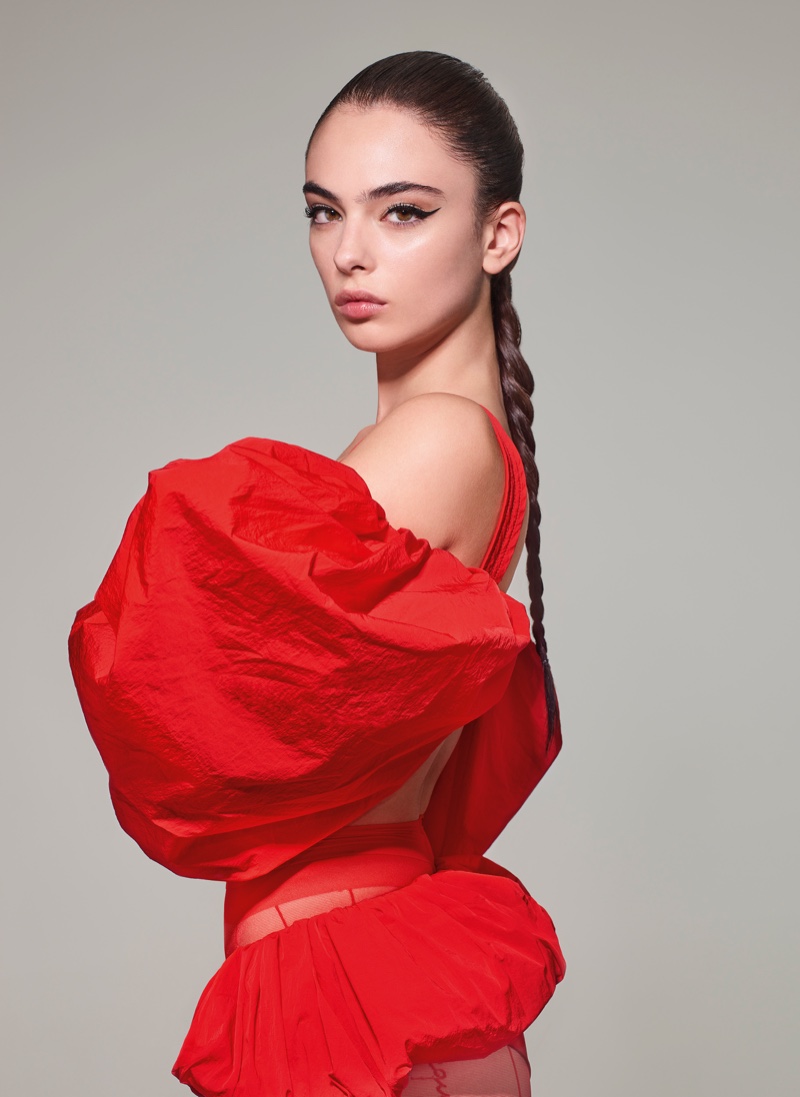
(267, 658)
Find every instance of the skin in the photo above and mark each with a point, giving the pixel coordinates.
(431, 458)
(433, 341)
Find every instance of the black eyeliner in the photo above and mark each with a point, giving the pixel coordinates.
(421, 213)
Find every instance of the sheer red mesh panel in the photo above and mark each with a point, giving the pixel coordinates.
(503, 1073)
(355, 863)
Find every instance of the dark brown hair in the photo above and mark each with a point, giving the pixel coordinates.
(458, 102)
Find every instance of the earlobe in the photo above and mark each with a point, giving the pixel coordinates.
(505, 232)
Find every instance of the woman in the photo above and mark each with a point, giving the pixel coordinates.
(305, 676)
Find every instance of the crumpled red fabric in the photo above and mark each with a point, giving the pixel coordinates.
(452, 966)
(265, 660)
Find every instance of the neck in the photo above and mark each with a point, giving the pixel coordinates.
(463, 362)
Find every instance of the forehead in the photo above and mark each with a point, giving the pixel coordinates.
(357, 150)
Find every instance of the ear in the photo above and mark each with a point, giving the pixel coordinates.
(502, 236)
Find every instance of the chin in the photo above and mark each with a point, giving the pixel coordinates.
(367, 341)
(374, 338)
(368, 337)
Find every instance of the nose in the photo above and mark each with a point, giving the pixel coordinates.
(353, 251)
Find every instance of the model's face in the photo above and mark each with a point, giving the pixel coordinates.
(393, 216)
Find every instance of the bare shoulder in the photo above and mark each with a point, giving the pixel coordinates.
(435, 466)
(439, 432)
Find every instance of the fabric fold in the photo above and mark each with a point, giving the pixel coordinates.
(468, 959)
(267, 658)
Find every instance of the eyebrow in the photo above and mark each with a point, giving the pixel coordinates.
(385, 191)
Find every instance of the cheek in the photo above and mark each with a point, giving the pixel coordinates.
(320, 256)
(439, 273)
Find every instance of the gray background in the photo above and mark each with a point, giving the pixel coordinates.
(159, 302)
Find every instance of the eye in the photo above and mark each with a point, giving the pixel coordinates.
(322, 215)
(407, 214)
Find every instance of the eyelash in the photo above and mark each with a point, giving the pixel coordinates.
(405, 207)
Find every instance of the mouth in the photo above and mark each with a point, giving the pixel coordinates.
(358, 304)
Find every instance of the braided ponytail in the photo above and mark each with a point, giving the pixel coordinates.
(516, 380)
(458, 101)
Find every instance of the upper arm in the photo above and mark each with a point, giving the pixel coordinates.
(435, 466)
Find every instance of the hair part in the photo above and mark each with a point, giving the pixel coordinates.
(457, 101)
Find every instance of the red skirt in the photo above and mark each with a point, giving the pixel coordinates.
(362, 957)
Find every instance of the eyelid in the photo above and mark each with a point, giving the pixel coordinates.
(412, 208)
(315, 207)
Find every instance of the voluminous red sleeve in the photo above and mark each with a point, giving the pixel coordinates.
(267, 658)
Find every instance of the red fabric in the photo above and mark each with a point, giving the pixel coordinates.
(502, 755)
(454, 965)
(347, 866)
(511, 515)
(368, 986)
(264, 661)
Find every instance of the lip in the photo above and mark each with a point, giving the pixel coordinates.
(358, 304)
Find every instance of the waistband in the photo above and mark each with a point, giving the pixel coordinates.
(356, 862)
(356, 837)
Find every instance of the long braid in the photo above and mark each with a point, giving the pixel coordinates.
(457, 100)
(517, 384)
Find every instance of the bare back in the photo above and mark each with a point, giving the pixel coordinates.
(410, 800)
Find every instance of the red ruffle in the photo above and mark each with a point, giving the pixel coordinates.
(467, 960)
(267, 658)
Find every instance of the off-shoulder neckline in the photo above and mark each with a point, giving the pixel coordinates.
(510, 518)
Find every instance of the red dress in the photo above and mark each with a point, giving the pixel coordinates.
(267, 659)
